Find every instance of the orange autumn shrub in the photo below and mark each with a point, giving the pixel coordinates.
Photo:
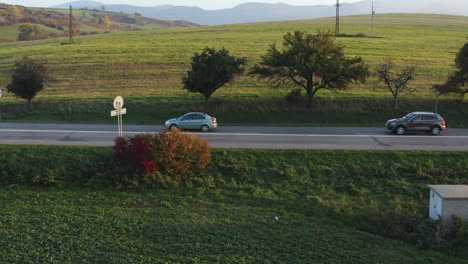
(180, 154)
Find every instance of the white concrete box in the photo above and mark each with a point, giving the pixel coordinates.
(447, 200)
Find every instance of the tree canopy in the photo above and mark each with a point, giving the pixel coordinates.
(458, 81)
(107, 23)
(28, 31)
(210, 70)
(313, 62)
(29, 78)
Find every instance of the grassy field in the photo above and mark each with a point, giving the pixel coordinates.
(146, 68)
(332, 206)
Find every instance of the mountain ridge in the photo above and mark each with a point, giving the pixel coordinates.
(249, 12)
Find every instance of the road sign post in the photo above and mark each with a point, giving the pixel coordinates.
(0, 111)
(119, 111)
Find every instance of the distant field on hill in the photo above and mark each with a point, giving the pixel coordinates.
(147, 66)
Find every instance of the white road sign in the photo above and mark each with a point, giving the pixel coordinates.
(123, 111)
(118, 102)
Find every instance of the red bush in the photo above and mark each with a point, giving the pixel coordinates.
(175, 154)
(135, 152)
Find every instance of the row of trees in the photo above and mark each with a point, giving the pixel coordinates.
(311, 62)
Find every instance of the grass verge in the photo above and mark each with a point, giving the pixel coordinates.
(332, 206)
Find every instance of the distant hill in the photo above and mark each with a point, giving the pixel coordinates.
(262, 12)
(55, 22)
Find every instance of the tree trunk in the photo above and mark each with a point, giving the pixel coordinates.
(310, 100)
(395, 104)
(30, 108)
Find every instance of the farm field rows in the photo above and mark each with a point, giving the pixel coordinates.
(146, 68)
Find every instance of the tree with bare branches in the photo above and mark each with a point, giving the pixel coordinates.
(396, 81)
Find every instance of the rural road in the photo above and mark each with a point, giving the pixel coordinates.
(352, 138)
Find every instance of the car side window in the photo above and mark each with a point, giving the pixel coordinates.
(199, 117)
(416, 118)
(187, 117)
(429, 117)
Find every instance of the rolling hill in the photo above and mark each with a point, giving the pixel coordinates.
(55, 22)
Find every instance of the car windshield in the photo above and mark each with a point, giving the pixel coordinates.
(408, 116)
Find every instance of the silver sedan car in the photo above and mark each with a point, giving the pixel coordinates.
(193, 121)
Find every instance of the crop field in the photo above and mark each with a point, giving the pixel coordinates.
(146, 68)
(331, 206)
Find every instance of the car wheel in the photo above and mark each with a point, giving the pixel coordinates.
(172, 127)
(400, 130)
(205, 128)
(435, 131)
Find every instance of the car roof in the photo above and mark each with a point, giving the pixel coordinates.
(196, 113)
(424, 113)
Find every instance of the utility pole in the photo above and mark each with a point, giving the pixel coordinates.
(337, 27)
(373, 15)
(70, 31)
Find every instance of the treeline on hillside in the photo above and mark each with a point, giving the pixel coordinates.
(10, 15)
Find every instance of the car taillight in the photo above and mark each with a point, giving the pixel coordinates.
(443, 122)
(213, 121)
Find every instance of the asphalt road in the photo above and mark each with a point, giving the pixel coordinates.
(337, 138)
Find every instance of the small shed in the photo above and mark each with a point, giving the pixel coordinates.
(447, 200)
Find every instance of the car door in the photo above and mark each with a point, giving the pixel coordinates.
(186, 121)
(427, 122)
(415, 122)
(198, 121)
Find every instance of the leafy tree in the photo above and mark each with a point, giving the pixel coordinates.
(29, 78)
(25, 31)
(458, 82)
(312, 62)
(14, 13)
(29, 31)
(396, 82)
(210, 70)
(107, 23)
(96, 18)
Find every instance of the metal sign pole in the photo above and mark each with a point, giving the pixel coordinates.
(119, 111)
(120, 121)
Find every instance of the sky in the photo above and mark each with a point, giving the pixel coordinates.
(205, 4)
(219, 4)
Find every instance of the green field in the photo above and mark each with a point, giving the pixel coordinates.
(146, 68)
(332, 207)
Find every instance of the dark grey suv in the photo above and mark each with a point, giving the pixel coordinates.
(417, 121)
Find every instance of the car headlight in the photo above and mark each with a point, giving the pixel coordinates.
(392, 123)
